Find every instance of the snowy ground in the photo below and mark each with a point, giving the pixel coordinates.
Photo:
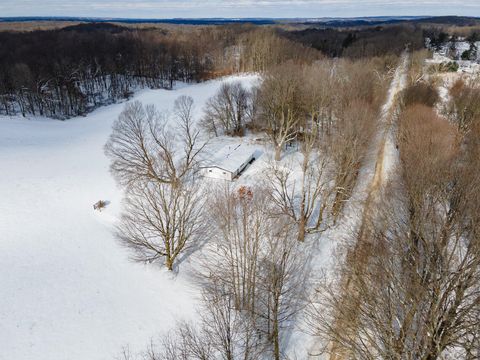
(68, 290)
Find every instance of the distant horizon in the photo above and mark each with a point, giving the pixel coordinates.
(274, 9)
(35, 17)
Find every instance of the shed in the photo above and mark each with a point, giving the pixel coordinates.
(229, 162)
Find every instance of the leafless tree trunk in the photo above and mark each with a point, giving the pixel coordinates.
(353, 130)
(160, 221)
(227, 110)
(281, 278)
(279, 101)
(162, 213)
(143, 148)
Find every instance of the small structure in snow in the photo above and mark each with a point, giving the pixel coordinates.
(229, 162)
(99, 205)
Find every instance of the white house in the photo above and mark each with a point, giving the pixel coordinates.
(227, 163)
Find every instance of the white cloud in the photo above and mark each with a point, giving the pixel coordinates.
(238, 8)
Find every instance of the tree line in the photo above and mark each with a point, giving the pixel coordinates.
(68, 72)
(361, 42)
(415, 293)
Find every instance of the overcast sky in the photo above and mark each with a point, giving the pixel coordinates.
(236, 8)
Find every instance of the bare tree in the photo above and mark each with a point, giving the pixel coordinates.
(160, 220)
(223, 333)
(464, 105)
(232, 332)
(186, 342)
(162, 214)
(318, 99)
(228, 110)
(280, 110)
(353, 130)
(143, 148)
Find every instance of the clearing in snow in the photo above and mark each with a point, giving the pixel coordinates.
(69, 291)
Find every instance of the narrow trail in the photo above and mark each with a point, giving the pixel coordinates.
(386, 153)
(377, 172)
(385, 162)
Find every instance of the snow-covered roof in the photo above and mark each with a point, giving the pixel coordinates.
(231, 157)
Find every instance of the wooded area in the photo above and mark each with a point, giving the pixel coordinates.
(368, 159)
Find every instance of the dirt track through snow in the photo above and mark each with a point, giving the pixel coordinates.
(377, 172)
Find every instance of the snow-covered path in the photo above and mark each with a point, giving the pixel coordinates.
(67, 289)
(378, 169)
(387, 157)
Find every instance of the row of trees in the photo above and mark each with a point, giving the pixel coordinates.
(416, 292)
(361, 42)
(68, 72)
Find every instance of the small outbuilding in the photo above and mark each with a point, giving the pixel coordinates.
(229, 162)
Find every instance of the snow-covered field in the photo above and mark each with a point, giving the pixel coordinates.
(68, 290)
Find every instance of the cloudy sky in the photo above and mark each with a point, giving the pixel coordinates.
(236, 8)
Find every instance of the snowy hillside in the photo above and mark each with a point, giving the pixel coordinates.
(68, 289)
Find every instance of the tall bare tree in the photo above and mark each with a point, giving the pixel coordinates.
(162, 213)
(227, 111)
(161, 220)
(280, 105)
(239, 218)
(143, 147)
(464, 105)
(348, 144)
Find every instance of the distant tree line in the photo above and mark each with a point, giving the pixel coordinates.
(68, 72)
(360, 42)
(71, 71)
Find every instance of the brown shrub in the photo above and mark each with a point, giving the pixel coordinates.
(420, 93)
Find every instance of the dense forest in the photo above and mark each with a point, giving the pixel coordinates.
(70, 71)
(360, 42)
(355, 220)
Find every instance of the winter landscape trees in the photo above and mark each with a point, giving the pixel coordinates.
(253, 268)
(413, 268)
(162, 213)
(408, 286)
(229, 111)
(356, 220)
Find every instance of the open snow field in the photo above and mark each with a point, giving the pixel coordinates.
(68, 290)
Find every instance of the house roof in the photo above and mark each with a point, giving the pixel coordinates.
(231, 157)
